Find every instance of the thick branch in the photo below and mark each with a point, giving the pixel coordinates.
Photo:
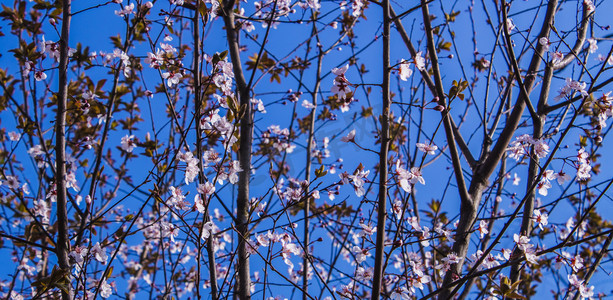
(201, 176)
(245, 142)
(383, 168)
(63, 243)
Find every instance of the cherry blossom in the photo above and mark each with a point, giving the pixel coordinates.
(561, 177)
(307, 104)
(557, 57)
(350, 137)
(127, 143)
(40, 76)
(593, 46)
(172, 78)
(569, 87)
(540, 218)
(419, 61)
(177, 199)
(206, 188)
(155, 60)
(400, 293)
(105, 289)
(404, 70)
(207, 229)
(518, 148)
(233, 170)
(127, 10)
(583, 165)
(576, 263)
(427, 148)
(510, 24)
(259, 105)
(544, 41)
(360, 254)
(191, 170)
(341, 84)
(367, 231)
(482, 228)
(99, 253)
(447, 261)
(589, 4)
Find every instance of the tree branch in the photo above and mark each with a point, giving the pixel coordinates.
(63, 243)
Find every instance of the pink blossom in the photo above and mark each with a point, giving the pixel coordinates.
(540, 218)
(482, 228)
(127, 143)
(40, 76)
(544, 41)
(127, 10)
(404, 70)
(419, 61)
(14, 136)
(172, 78)
(350, 137)
(428, 148)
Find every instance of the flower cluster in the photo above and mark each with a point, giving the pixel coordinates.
(223, 74)
(570, 87)
(341, 88)
(523, 243)
(584, 291)
(191, 170)
(358, 178)
(583, 165)
(605, 103)
(520, 147)
(427, 148)
(127, 10)
(406, 178)
(276, 139)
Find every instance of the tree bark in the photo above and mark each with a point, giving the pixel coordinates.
(63, 243)
(383, 154)
(245, 142)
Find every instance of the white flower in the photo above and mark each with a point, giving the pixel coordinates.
(105, 289)
(561, 177)
(570, 86)
(349, 137)
(557, 57)
(127, 144)
(206, 188)
(543, 186)
(482, 228)
(419, 61)
(544, 41)
(540, 218)
(14, 136)
(172, 78)
(207, 229)
(40, 76)
(510, 24)
(400, 294)
(99, 253)
(128, 9)
(428, 148)
(307, 104)
(405, 70)
(593, 45)
(234, 168)
(367, 230)
(259, 105)
(340, 71)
